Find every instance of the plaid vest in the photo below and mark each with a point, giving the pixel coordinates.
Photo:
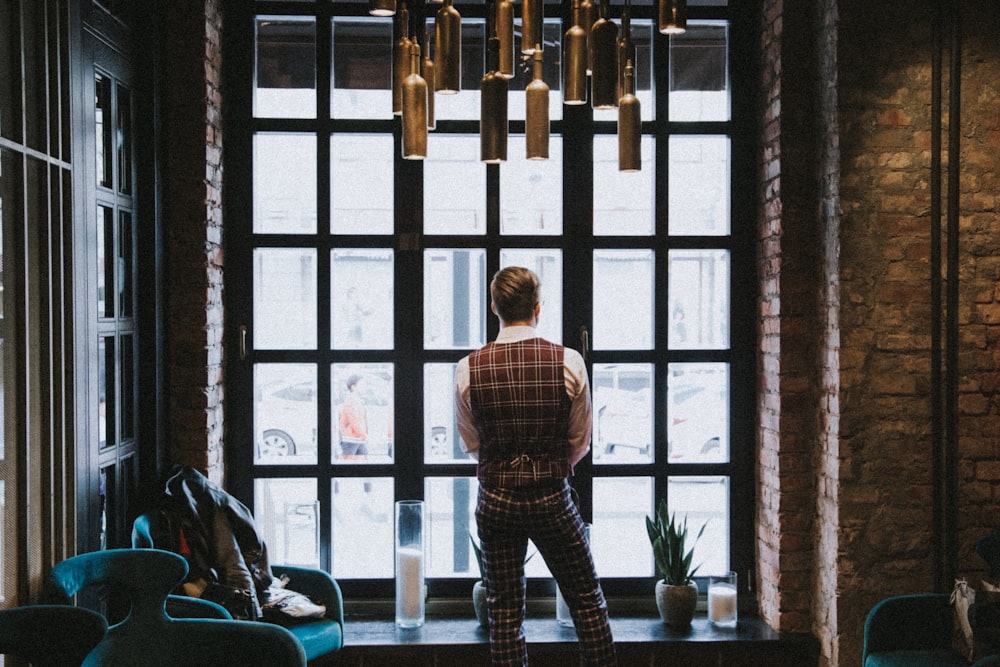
(521, 409)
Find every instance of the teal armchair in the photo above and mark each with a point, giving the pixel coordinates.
(50, 635)
(146, 635)
(913, 631)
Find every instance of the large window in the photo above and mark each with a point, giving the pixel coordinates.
(357, 280)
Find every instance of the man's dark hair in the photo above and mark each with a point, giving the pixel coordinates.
(514, 291)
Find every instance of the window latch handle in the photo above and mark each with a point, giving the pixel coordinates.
(243, 342)
(584, 341)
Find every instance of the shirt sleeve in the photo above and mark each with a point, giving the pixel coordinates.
(580, 412)
(463, 411)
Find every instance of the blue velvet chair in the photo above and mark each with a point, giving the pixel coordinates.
(913, 631)
(147, 635)
(50, 635)
(317, 636)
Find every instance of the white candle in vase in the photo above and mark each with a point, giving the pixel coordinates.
(409, 583)
(722, 603)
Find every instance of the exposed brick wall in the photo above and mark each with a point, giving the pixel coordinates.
(193, 234)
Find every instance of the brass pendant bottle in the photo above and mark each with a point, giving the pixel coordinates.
(400, 60)
(574, 61)
(536, 114)
(629, 126)
(505, 34)
(414, 94)
(531, 24)
(626, 49)
(493, 108)
(448, 49)
(428, 72)
(381, 7)
(604, 55)
(673, 16)
(587, 17)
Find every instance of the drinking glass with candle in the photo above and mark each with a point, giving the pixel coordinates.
(722, 600)
(409, 563)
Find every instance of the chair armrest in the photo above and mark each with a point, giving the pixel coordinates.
(919, 622)
(318, 585)
(184, 606)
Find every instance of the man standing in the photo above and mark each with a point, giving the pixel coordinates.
(523, 410)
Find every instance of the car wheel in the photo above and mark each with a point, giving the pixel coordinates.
(276, 442)
(710, 445)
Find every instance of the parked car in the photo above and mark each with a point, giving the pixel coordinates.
(285, 418)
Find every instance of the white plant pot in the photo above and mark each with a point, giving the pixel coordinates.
(676, 604)
(479, 603)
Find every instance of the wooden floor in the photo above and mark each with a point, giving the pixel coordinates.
(639, 641)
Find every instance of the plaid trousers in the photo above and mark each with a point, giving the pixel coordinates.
(506, 519)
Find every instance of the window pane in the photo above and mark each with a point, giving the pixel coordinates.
(285, 82)
(362, 412)
(284, 184)
(362, 68)
(363, 544)
(454, 185)
(623, 318)
(284, 298)
(287, 513)
(124, 262)
(699, 186)
(362, 302)
(451, 516)
(454, 299)
(623, 201)
(705, 502)
(547, 263)
(106, 372)
(623, 413)
(618, 537)
(285, 409)
(105, 130)
(699, 77)
(642, 37)
(524, 71)
(698, 412)
(699, 299)
(361, 188)
(531, 190)
(123, 140)
(127, 411)
(106, 261)
(442, 444)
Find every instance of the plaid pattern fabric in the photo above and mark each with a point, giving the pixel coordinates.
(521, 408)
(506, 519)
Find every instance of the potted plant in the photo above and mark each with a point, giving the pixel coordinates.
(676, 592)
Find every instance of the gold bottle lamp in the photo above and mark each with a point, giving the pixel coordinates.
(414, 94)
(505, 35)
(574, 61)
(536, 115)
(626, 48)
(531, 24)
(400, 60)
(604, 59)
(673, 16)
(588, 15)
(448, 49)
(629, 125)
(381, 7)
(427, 71)
(493, 108)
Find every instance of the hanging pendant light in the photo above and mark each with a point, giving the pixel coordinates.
(604, 55)
(414, 94)
(381, 7)
(587, 17)
(673, 16)
(626, 47)
(400, 60)
(629, 125)
(505, 33)
(448, 49)
(574, 61)
(427, 71)
(536, 114)
(493, 108)
(531, 24)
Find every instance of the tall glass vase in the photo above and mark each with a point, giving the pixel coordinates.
(409, 563)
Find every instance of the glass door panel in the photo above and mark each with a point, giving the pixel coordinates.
(285, 413)
(284, 298)
(284, 183)
(285, 72)
(699, 299)
(623, 413)
(454, 299)
(361, 189)
(363, 412)
(623, 318)
(698, 412)
(547, 263)
(362, 301)
(442, 443)
(362, 525)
